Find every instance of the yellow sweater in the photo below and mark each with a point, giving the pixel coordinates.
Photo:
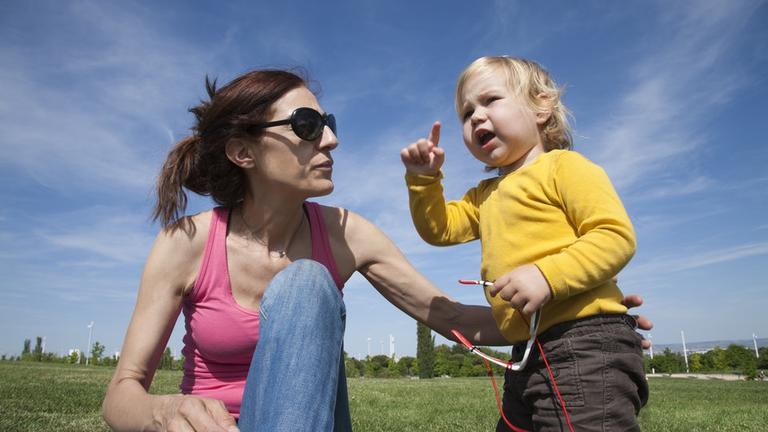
(560, 213)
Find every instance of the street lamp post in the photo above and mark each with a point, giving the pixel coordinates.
(650, 338)
(754, 341)
(87, 349)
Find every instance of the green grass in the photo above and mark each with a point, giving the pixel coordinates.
(49, 397)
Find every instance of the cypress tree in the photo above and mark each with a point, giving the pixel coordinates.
(425, 351)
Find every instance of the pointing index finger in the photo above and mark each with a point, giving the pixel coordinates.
(434, 134)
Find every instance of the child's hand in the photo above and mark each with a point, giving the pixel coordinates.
(424, 157)
(525, 288)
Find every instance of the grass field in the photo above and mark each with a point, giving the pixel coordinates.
(48, 397)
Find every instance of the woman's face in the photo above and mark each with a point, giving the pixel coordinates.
(289, 163)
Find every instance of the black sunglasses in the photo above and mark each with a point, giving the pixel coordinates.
(306, 123)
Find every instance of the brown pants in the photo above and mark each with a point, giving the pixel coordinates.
(597, 363)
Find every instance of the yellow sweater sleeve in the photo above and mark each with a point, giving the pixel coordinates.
(606, 239)
(438, 222)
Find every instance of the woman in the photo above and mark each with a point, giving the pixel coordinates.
(264, 270)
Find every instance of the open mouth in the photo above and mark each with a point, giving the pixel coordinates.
(484, 137)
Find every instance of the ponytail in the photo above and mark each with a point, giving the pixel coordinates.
(181, 166)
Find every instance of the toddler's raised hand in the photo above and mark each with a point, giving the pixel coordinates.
(525, 288)
(424, 156)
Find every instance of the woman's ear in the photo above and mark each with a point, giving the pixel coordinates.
(239, 152)
(545, 102)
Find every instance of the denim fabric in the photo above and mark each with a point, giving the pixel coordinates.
(296, 380)
(597, 363)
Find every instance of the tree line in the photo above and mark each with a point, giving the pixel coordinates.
(446, 361)
(735, 359)
(95, 357)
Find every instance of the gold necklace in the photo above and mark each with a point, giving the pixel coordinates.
(281, 253)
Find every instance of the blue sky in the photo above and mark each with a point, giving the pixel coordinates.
(669, 97)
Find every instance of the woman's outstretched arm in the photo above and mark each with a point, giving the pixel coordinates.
(384, 265)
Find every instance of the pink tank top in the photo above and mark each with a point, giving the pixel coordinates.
(220, 334)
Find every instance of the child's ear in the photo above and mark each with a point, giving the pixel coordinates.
(543, 101)
(239, 152)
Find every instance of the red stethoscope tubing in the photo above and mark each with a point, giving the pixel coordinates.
(534, 325)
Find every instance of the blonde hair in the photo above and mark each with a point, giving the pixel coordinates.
(529, 80)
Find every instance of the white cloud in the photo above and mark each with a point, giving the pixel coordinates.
(675, 188)
(677, 86)
(665, 265)
(90, 122)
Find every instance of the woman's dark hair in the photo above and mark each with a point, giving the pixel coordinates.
(198, 162)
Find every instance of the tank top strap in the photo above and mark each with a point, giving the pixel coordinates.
(214, 264)
(321, 246)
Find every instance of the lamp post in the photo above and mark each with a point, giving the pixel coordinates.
(754, 342)
(685, 352)
(88, 348)
(650, 338)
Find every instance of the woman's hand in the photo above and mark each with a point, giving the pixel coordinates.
(643, 323)
(191, 413)
(424, 157)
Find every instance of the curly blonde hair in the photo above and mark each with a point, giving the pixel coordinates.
(528, 79)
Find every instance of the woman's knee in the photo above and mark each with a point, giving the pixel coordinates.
(305, 281)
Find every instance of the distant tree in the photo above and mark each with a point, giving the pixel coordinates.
(425, 351)
(354, 367)
(96, 352)
(377, 366)
(74, 356)
(696, 362)
(37, 354)
(166, 361)
(446, 363)
(668, 362)
(27, 344)
(719, 359)
(405, 366)
(762, 361)
(350, 369)
(180, 362)
(471, 368)
(3, 357)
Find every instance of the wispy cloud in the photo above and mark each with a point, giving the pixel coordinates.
(674, 88)
(675, 188)
(110, 239)
(665, 265)
(654, 223)
(93, 133)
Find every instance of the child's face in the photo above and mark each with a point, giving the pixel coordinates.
(499, 128)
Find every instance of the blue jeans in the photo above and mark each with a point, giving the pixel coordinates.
(296, 381)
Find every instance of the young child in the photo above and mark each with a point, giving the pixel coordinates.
(553, 232)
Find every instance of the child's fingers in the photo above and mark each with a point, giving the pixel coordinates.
(494, 289)
(411, 155)
(405, 156)
(439, 156)
(425, 150)
(434, 134)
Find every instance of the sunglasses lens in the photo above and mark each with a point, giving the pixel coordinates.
(330, 120)
(307, 123)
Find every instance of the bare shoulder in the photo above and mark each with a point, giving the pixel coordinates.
(189, 233)
(353, 238)
(345, 224)
(178, 250)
